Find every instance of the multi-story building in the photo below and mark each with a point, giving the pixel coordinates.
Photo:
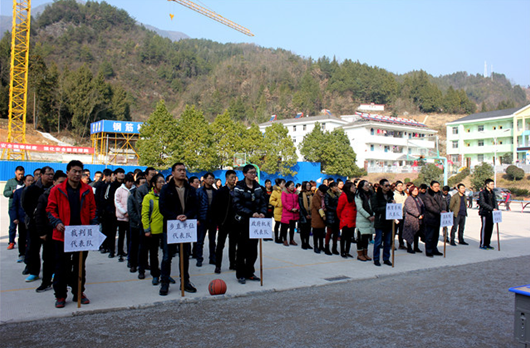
(495, 137)
(381, 143)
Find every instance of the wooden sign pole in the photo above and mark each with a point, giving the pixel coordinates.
(260, 262)
(393, 240)
(80, 279)
(445, 239)
(182, 269)
(498, 238)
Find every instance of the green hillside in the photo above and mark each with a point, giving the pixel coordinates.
(92, 61)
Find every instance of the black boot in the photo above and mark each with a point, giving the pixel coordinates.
(326, 250)
(334, 248)
(409, 249)
(416, 243)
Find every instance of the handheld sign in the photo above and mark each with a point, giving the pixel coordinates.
(260, 228)
(446, 219)
(181, 231)
(82, 238)
(394, 211)
(497, 216)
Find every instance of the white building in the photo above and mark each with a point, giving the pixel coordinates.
(381, 143)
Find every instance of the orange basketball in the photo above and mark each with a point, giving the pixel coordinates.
(217, 287)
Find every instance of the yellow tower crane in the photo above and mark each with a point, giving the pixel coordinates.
(213, 15)
(19, 79)
(20, 61)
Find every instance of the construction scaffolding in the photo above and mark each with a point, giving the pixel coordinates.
(114, 142)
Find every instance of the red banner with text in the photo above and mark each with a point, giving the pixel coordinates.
(47, 148)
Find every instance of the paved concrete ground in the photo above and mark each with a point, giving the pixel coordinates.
(455, 306)
(110, 286)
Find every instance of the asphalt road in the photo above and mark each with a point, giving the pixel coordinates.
(458, 306)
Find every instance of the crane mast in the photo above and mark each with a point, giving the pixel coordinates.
(18, 86)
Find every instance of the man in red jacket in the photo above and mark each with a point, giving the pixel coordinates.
(71, 203)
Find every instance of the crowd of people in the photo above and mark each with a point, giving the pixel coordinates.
(132, 210)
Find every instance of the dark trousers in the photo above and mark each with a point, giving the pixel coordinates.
(247, 251)
(32, 259)
(345, 239)
(198, 248)
(143, 251)
(305, 231)
(123, 227)
(22, 238)
(332, 233)
(169, 251)
(432, 233)
(384, 237)
(134, 244)
(67, 271)
(151, 244)
(277, 225)
(460, 223)
(486, 230)
(362, 241)
(12, 230)
(290, 226)
(108, 228)
(48, 259)
(318, 238)
(226, 231)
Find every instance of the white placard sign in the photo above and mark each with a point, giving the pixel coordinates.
(446, 219)
(181, 231)
(497, 216)
(82, 238)
(394, 211)
(260, 228)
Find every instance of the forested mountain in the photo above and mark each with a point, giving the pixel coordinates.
(93, 61)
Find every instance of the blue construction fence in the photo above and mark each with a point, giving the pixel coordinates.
(306, 171)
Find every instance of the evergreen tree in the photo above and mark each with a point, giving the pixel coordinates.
(280, 152)
(156, 139)
(193, 142)
(227, 138)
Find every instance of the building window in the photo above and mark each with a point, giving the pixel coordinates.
(304, 127)
(455, 144)
(387, 148)
(480, 158)
(481, 128)
(500, 127)
(454, 158)
(494, 128)
(455, 130)
(410, 151)
(294, 140)
(372, 132)
(323, 126)
(371, 147)
(481, 143)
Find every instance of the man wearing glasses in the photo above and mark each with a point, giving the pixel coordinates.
(249, 201)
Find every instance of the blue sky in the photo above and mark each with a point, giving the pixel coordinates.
(440, 37)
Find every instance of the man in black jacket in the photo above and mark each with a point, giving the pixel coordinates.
(249, 201)
(487, 204)
(45, 231)
(435, 204)
(105, 213)
(223, 208)
(178, 201)
(30, 198)
(383, 227)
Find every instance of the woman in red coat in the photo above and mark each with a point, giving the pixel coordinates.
(347, 213)
(290, 212)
